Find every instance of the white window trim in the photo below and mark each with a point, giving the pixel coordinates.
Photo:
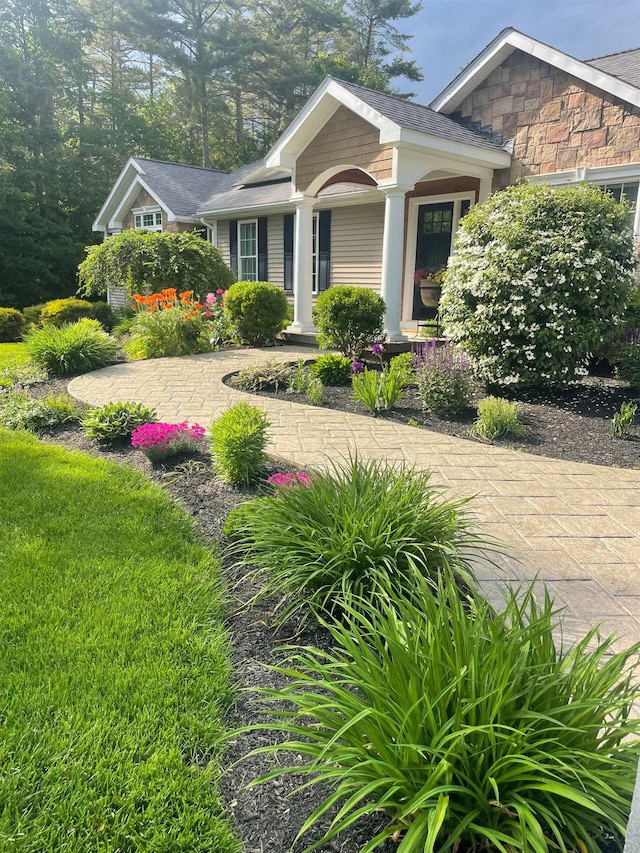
(314, 256)
(148, 210)
(412, 239)
(241, 222)
(628, 173)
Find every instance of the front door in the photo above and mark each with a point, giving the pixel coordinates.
(433, 244)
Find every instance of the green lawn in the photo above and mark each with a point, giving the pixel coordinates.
(13, 352)
(114, 662)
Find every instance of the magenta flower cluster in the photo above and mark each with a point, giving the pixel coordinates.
(160, 440)
(286, 480)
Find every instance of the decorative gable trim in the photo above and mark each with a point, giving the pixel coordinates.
(503, 46)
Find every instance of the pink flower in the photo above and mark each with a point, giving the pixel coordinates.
(283, 480)
(207, 313)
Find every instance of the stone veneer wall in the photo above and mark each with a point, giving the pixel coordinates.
(556, 122)
(143, 199)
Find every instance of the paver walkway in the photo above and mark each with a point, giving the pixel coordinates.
(575, 526)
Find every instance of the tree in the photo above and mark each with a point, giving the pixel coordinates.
(539, 279)
(148, 261)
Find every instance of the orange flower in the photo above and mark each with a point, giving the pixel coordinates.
(138, 298)
(169, 292)
(197, 305)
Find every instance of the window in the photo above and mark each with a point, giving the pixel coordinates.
(627, 190)
(248, 250)
(152, 220)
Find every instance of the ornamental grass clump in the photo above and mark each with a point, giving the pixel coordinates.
(470, 729)
(238, 439)
(378, 390)
(497, 417)
(70, 349)
(444, 379)
(357, 528)
(160, 441)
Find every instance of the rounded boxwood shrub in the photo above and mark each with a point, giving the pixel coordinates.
(349, 319)
(11, 324)
(257, 309)
(540, 277)
(60, 311)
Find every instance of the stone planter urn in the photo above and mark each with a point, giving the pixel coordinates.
(430, 292)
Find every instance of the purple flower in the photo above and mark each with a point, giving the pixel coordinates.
(376, 349)
(357, 367)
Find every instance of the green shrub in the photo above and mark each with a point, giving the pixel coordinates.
(78, 348)
(497, 417)
(19, 410)
(116, 421)
(623, 419)
(539, 278)
(349, 319)
(11, 325)
(269, 375)
(257, 309)
(444, 380)
(332, 369)
(168, 332)
(32, 315)
(123, 327)
(358, 527)
(60, 311)
(470, 729)
(104, 314)
(378, 390)
(149, 261)
(627, 363)
(403, 365)
(238, 440)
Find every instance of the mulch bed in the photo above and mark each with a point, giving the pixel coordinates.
(572, 424)
(268, 817)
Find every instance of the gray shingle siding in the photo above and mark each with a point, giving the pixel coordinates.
(625, 66)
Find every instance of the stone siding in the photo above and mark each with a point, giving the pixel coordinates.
(554, 121)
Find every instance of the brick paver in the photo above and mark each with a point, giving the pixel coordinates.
(574, 526)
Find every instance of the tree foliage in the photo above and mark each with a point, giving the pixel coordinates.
(148, 261)
(539, 279)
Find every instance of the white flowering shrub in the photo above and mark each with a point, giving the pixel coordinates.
(540, 277)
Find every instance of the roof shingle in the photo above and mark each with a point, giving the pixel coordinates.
(624, 65)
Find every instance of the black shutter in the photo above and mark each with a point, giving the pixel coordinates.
(233, 246)
(324, 249)
(289, 219)
(262, 249)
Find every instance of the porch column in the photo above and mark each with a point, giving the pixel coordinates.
(303, 268)
(392, 249)
(485, 188)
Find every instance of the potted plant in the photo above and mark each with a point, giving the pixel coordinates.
(429, 280)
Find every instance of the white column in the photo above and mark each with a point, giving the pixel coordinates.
(303, 268)
(485, 188)
(392, 246)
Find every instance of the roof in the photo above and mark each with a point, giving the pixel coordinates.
(181, 188)
(624, 65)
(624, 84)
(419, 117)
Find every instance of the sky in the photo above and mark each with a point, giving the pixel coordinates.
(448, 34)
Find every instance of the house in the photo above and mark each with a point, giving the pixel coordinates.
(364, 188)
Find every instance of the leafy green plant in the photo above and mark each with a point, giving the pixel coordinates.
(60, 311)
(257, 310)
(627, 362)
(116, 421)
(497, 417)
(623, 419)
(332, 369)
(148, 261)
(168, 332)
(32, 315)
(238, 439)
(20, 373)
(444, 380)
(297, 378)
(356, 528)
(104, 314)
(65, 350)
(314, 391)
(20, 410)
(539, 279)
(269, 375)
(378, 390)
(349, 319)
(403, 365)
(468, 727)
(11, 325)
